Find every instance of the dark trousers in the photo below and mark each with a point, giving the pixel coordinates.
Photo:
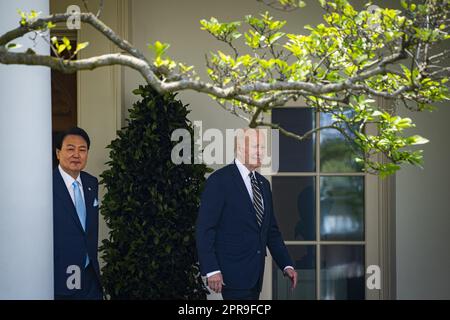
(241, 294)
(90, 287)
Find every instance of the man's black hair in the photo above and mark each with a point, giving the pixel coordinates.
(73, 131)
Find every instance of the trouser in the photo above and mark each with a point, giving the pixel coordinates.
(241, 294)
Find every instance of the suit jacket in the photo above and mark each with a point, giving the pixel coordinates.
(228, 236)
(71, 242)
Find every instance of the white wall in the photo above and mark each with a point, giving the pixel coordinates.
(423, 214)
(423, 211)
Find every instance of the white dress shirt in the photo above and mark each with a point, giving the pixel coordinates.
(68, 181)
(243, 170)
(245, 176)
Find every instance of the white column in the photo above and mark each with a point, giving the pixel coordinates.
(26, 223)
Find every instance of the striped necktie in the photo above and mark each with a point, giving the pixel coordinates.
(257, 199)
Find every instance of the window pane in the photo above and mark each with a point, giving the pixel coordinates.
(342, 272)
(294, 155)
(304, 258)
(342, 208)
(294, 206)
(336, 153)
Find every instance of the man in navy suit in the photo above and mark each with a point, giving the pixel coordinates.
(75, 221)
(236, 223)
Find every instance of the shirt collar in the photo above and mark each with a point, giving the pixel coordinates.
(68, 180)
(242, 169)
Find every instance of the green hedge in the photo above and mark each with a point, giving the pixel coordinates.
(151, 206)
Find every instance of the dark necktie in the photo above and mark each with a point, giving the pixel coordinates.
(257, 199)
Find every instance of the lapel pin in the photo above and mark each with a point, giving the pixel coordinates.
(89, 188)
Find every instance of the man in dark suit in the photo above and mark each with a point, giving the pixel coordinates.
(75, 221)
(236, 223)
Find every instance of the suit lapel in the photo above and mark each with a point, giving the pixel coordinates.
(62, 193)
(243, 189)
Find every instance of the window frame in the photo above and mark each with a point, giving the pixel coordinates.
(379, 225)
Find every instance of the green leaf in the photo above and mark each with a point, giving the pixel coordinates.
(61, 48)
(388, 169)
(404, 4)
(33, 15)
(81, 46)
(22, 14)
(253, 40)
(184, 68)
(404, 123)
(138, 91)
(273, 38)
(66, 41)
(159, 48)
(51, 25)
(66, 44)
(222, 31)
(416, 139)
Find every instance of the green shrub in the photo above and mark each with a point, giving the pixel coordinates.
(151, 206)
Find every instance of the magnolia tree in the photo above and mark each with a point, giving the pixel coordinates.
(343, 66)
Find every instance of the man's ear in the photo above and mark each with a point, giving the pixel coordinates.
(57, 153)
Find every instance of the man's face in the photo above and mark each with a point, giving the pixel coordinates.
(73, 154)
(253, 148)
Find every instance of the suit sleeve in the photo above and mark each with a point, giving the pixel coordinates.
(275, 241)
(211, 206)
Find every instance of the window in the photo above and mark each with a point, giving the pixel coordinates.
(319, 195)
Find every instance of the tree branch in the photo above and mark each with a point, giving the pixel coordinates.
(88, 18)
(67, 66)
(100, 9)
(293, 135)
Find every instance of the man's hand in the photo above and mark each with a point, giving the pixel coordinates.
(215, 282)
(292, 274)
